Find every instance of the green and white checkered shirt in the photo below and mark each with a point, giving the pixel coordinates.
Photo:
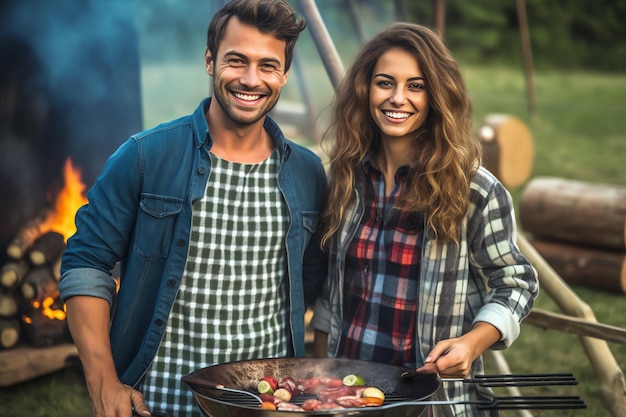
(232, 302)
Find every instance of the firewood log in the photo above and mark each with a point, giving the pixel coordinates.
(47, 248)
(55, 268)
(9, 333)
(583, 265)
(27, 235)
(43, 331)
(13, 273)
(8, 305)
(508, 149)
(38, 284)
(577, 212)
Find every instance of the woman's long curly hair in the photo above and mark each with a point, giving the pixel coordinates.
(446, 152)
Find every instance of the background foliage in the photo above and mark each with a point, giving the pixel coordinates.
(578, 34)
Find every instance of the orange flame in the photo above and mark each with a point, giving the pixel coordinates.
(49, 312)
(45, 307)
(70, 199)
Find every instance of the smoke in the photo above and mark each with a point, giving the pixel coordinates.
(86, 67)
(69, 87)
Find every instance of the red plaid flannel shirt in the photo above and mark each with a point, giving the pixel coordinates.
(382, 267)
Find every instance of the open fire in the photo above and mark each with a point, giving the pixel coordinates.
(70, 199)
(29, 278)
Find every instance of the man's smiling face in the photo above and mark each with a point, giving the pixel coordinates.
(248, 72)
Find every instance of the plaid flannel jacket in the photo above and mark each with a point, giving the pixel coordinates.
(483, 278)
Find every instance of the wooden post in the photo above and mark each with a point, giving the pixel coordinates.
(306, 96)
(607, 370)
(527, 56)
(326, 48)
(439, 17)
(400, 11)
(356, 22)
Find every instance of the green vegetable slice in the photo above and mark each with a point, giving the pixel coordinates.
(264, 387)
(353, 380)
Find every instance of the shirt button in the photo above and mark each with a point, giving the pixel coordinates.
(202, 170)
(180, 242)
(171, 283)
(158, 322)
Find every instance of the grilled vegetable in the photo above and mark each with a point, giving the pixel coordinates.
(283, 394)
(353, 380)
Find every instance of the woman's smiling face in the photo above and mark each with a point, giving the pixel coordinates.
(398, 98)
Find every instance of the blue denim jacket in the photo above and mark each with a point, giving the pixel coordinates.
(139, 213)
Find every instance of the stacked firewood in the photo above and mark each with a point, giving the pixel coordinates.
(28, 289)
(579, 228)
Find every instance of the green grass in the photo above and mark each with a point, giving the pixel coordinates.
(61, 394)
(579, 134)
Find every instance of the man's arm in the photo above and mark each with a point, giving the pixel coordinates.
(88, 320)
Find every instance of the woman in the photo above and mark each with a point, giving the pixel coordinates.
(424, 272)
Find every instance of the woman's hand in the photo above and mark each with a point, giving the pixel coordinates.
(453, 358)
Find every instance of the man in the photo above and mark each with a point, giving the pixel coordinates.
(212, 217)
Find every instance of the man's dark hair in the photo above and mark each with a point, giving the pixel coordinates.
(275, 17)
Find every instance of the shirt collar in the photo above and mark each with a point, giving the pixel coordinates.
(203, 135)
(368, 164)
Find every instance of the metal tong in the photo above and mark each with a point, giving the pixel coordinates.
(518, 380)
(509, 380)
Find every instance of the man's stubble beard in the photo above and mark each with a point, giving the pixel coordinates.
(233, 114)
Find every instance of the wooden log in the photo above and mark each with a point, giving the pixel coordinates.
(13, 273)
(583, 265)
(47, 248)
(8, 305)
(24, 363)
(43, 331)
(39, 284)
(574, 211)
(9, 333)
(55, 268)
(508, 149)
(27, 235)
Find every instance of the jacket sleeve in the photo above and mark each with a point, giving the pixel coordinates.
(510, 280)
(103, 226)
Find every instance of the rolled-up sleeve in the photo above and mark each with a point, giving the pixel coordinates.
(321, 316)
(87, 281)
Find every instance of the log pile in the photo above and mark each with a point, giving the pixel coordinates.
(579, 229)
(30, 309)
